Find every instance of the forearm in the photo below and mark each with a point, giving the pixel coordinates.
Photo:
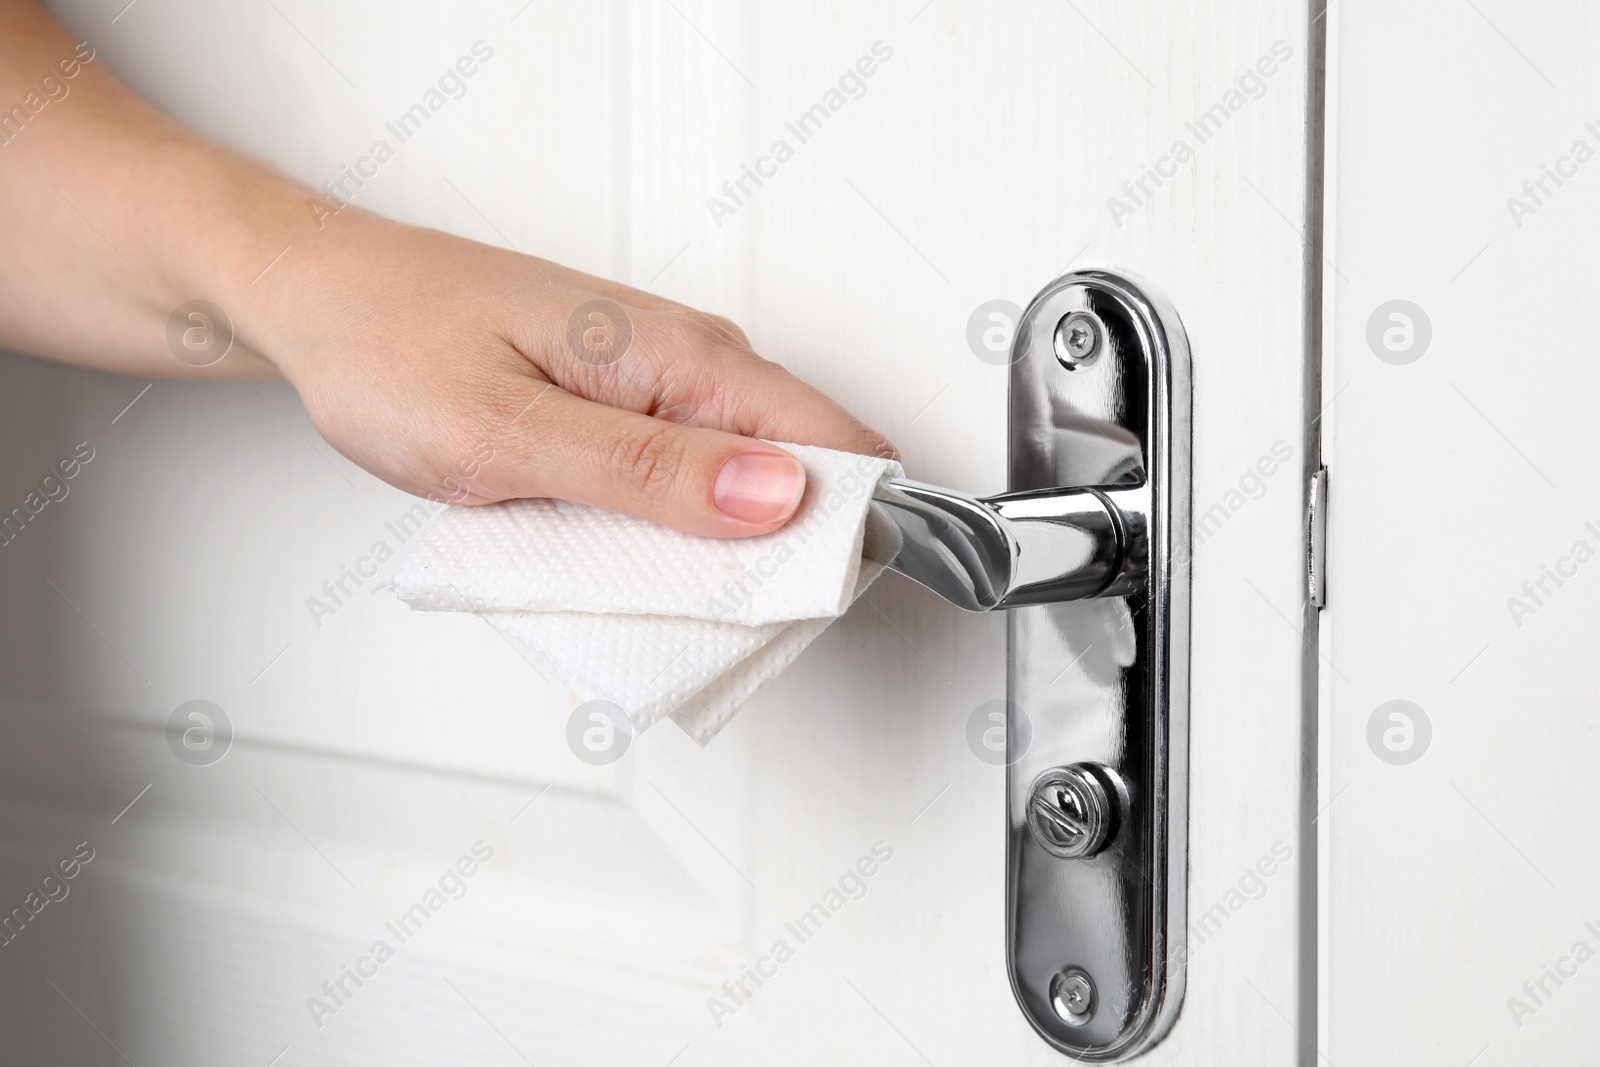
(113, 215)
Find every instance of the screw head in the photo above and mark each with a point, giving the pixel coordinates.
(1072, 996)
(1071, 811)
(1079, 338)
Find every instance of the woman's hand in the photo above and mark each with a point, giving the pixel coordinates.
(424, 357)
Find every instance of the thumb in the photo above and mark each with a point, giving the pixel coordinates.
(698, 481)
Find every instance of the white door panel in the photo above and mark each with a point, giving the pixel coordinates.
(976, 164)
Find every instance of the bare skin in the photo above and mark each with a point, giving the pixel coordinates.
(410, 348)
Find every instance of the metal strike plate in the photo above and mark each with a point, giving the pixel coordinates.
(1097, 781)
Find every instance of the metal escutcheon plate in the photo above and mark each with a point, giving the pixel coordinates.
(1095, 942)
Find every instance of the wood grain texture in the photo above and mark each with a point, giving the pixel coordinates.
(976, 164)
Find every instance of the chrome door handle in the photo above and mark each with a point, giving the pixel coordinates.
(1005, 551)
(1089, 549)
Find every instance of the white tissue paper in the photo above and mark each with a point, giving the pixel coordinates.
(659, 622)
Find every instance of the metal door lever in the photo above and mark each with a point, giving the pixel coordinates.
(1014, 549)
(1089, 549)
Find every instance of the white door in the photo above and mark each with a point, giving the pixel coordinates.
(1460, 685)
(378, 756)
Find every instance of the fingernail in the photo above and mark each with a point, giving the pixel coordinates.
(759, 487)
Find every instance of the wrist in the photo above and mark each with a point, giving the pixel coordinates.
(254, 248)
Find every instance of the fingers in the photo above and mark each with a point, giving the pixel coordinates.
(690, 367)
(743, 393)
(699, 481)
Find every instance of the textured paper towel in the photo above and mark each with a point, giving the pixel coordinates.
(658, 622)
